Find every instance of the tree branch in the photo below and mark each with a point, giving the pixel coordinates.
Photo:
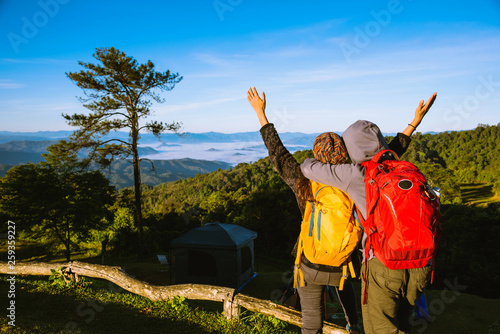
(150, 161)
(111, 140)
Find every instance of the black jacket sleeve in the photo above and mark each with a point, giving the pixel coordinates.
(400, 143)
(286, 165)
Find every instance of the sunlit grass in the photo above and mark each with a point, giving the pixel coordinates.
(101, 307)
(480, 194)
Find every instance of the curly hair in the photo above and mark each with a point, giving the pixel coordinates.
(328, 148)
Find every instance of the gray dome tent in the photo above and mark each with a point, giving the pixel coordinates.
(215, 253)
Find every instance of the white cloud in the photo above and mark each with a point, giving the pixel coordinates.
(200, 106)
(9, 84)
(39, 61)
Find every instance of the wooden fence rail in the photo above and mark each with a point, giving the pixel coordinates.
(231, 301)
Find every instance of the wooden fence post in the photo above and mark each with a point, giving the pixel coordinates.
(231, 310)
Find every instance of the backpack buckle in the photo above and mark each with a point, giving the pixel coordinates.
(382, 169)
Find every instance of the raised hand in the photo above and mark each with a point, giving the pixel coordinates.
(422, 109)
(420, 112)
(258, 104)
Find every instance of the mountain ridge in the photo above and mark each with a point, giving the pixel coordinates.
(120, 173)
(147, 138)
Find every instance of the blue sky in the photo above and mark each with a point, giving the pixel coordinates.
(322, 63)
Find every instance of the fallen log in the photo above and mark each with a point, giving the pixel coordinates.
(281, 312)
(116, 275)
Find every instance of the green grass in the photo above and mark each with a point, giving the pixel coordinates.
(100, 307)
(459, 313)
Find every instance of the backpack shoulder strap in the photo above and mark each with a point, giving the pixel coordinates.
(381, 156)
(385, 155)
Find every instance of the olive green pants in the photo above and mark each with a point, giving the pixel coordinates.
(391, 296)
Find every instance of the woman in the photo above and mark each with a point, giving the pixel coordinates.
(328, 148)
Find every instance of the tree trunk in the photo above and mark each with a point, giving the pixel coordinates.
(68, 243)
(137, 189)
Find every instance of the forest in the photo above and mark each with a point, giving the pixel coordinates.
(254, 196)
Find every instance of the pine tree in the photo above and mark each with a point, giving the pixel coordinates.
(119, 94)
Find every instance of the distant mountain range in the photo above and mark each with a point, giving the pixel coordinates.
(148, 138)
(21, 147)
(20, 152)
(175, 156)
(121, 174)
(195, 152)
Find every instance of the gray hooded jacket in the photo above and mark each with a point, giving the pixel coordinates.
(363, 140)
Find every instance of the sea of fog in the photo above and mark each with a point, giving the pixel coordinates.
(232, 153)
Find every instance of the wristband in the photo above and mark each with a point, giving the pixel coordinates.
(412, 126)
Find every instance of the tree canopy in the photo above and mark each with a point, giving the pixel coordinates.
(118, 92)
(57, 199)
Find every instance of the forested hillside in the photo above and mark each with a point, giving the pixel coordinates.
(254, 196)
(251, 195)
(447, 159)
(156, 172)
(120, 172)
(450, 158)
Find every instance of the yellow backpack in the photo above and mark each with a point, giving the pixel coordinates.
(329, 232)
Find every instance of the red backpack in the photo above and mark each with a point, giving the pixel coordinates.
(403, 218)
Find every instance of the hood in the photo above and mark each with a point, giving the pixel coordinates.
(363, 139)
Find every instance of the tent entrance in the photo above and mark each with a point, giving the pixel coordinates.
(201, 263)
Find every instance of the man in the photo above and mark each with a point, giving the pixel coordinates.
(391, 294)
